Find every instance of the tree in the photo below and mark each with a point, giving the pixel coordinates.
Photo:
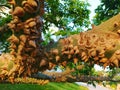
(66, 12)
(106, 10)
(27, 56)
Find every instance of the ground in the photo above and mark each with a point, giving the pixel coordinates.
(49, 86)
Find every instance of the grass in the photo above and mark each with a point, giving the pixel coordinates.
(49, 86)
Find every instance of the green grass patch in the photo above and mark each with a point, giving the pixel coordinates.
(49, 86)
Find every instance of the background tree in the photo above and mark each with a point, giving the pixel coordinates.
(66, 14)
(5, 18)
(69, 16)
(106, 10)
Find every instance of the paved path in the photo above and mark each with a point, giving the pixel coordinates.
(91, 87)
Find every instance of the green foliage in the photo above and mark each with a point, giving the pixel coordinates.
(92, 83)
(3, 1)
(106, 10)
(66, 32)
(5, 20)
(66, 14)
(86, 69)
(113, 85)
(4, 47)
(113, 72)
(4, 34)
(3, 4)
(69, 16)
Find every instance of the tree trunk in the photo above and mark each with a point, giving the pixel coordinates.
(25, 49)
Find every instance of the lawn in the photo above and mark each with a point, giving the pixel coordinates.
(49, 86)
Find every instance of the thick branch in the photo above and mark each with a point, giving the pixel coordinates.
(101, 45)
(113, 24)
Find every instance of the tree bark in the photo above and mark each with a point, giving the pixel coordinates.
(25, 49)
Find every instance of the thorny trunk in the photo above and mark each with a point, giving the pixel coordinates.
(26, 26)
(101, 45)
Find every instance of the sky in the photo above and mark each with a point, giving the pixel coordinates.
(94, 4)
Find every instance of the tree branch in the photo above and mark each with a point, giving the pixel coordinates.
(70, 78)
(101, 44)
